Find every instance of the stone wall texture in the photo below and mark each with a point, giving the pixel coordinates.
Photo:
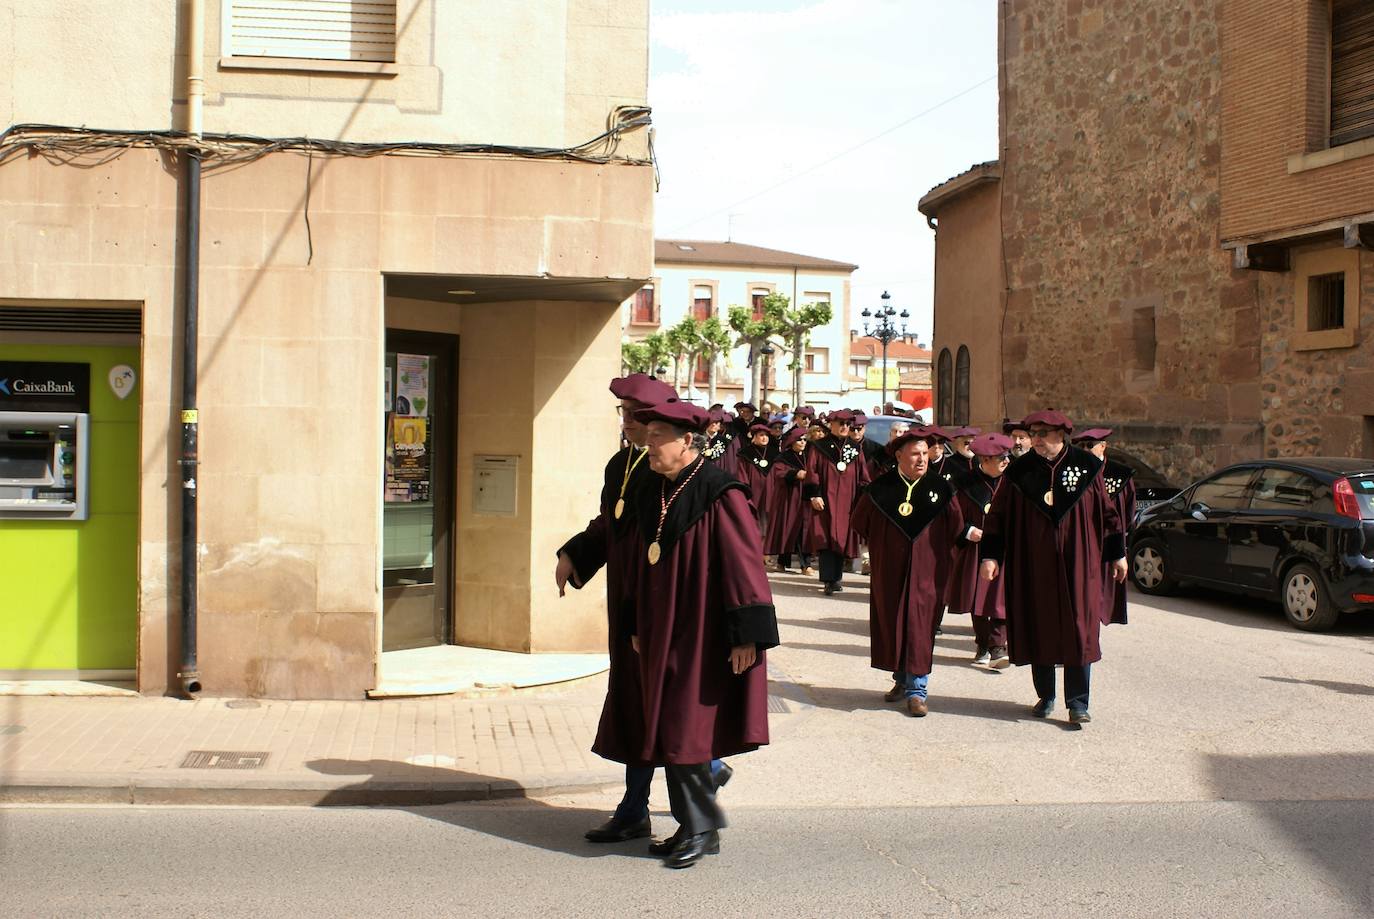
(1122, 307)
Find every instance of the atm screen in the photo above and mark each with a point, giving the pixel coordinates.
(26, 463)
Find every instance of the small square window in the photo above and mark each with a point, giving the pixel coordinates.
(1326, 302)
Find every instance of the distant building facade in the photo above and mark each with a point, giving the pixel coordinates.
(702, 278)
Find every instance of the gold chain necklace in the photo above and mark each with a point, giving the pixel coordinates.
(625, 482)
(905, 507)
(665, 502)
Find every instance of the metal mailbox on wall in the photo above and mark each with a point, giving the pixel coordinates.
(494, 485)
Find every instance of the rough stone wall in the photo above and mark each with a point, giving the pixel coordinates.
(1122, 307)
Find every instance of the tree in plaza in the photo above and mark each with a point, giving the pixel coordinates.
(715, 341)
(795, 326)
(756, 333)
(634, 358)
(684, 342)
(656, 346)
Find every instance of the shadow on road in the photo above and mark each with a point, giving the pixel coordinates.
(1349, 689)
(1246, 612)
(554, 829)
(831, 624)
(851, 592)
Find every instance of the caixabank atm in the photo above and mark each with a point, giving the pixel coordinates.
(68, 512)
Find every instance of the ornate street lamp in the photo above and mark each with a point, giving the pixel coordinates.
(885, 330)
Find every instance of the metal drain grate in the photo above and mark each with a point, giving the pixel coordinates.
(11, 729)
(778, 706)
(223, 759)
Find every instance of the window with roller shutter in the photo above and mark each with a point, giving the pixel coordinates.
(1352, 71)
(328, 30)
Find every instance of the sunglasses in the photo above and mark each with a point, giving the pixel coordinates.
(1042, 433)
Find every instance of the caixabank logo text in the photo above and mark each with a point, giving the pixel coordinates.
(20, 387)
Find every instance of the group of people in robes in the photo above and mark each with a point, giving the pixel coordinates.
(1024, 530)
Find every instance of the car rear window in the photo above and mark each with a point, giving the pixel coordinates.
(1364, 493)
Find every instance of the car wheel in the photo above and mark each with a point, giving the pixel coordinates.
(1150, 568)
(1305, 600)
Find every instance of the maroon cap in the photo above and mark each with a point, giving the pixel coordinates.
(1093, 434)
(842, 415)
(716, 415)
(759, 429)
(640, 387)
(1008, 426)
(916, 432)
(748, 405)
(729, 416)
(962, 432)
(682, 414)
(1049, 418)
(805, 411)
(860, 419)
(990, 444)
(792, 436)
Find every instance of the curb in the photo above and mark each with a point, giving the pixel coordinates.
(152, 791)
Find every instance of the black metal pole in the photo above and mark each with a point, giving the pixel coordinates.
(190, 426)
(883, 404)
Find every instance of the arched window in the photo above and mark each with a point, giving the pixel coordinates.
(945, 389)
(961, 384)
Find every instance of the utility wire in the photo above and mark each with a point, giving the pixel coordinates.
(843, 153)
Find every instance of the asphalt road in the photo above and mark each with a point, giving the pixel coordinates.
(1308, 859)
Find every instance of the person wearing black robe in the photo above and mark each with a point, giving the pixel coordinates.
(1120, 481)
(699, 614)
(787, 510)
(721, 448)
(835, 475)
(1052, 533)
(755, 462)
(1020, 437)
(985, 601)
(912, 523)
(607, 542)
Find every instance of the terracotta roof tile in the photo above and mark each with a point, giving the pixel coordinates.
(709, 252)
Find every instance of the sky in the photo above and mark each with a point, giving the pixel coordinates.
(807, 125)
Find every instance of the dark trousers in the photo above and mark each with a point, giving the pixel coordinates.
(1076, 681)
(989, 632)
(832, 566)
(692, 798)
(634, 807)
(803, 560)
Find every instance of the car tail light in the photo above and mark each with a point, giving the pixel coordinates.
(1347, 505)
(1363, 598)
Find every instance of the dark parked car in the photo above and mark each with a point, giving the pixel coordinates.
(1300, 531)
(1150, 487)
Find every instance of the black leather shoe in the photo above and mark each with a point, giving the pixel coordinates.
(723, 776)
(1079, 717)
(691, 849)
(830, 588)
(1043, 708)
(614, 830)
(839, 588)
(667, 846)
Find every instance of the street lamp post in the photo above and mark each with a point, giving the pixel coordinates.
(767, 352)
(885, 330)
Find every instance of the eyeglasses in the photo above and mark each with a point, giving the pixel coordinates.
(1041, 433)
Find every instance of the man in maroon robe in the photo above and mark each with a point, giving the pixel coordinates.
(787, 510)
(835, 474)
(912, 523)
(1020, 437)
(721, 448)
(1120, 482)
(755, 462)
(968, 593)
(1054, 528)
(702, 620)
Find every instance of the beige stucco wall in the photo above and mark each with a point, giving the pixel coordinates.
(534, 73)
(968, 297)
(290, 376)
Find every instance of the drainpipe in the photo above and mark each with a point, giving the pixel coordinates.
(190, 420)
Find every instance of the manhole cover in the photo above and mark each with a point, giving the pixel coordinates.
(242, 703)
(11, 729)
(778, 706)
(223, 759)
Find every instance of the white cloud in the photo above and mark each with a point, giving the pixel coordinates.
(747, 97)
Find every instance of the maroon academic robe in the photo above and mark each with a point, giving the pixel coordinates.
(707, 593)
(828, 530)
(908, 557)
(754, 469)
(1120, 483)
(969, 593)
(787, 509)
(1052, 556)
(610, 543)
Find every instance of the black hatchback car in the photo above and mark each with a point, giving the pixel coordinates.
(1300, 531)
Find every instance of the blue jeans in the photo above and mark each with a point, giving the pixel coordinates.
(1076, 683)
(634, 807)
(915, 685)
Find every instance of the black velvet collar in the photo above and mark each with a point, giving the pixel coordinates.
(837, 450)
(929, 499)
(1115, 476)
(715, 447)
(1074, 471)
(980, 487)
(752, 454)
(708, 484)
(610, 491)
(793, 458)
(953, 469)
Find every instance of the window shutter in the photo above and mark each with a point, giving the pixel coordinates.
(330, 30)
(1352, 71)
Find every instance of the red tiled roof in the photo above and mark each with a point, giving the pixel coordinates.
(709, 252)
(870, 347)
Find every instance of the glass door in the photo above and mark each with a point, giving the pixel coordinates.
(417, 490)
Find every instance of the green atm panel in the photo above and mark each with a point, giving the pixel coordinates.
(69, 587)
